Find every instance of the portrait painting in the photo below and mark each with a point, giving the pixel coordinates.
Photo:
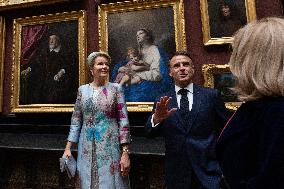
(222, 18)
(220, 77)
(141, 37)
(2, 47)
(224, 82)
(48, 62)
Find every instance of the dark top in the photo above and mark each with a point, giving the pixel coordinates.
(251, 147)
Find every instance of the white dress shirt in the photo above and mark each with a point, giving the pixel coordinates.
(189, 95)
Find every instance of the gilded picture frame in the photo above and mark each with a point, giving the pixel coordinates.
(2, 43)
(221, 78)
(221, 18)
(48, 62)
(14, 4)
(162, 23)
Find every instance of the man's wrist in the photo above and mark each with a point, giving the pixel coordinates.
(156, 120)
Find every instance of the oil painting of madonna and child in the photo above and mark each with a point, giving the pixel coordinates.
(140, 43)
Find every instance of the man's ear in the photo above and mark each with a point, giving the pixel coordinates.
(92, 72)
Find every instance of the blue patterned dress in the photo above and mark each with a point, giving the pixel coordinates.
(100, 124)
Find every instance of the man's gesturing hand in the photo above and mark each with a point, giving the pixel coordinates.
(161, 110)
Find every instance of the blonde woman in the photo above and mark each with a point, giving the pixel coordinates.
(100, 126)
(250, 148)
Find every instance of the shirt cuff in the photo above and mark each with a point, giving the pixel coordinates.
(152, 122)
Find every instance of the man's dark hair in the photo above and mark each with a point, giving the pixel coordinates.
(183, 53)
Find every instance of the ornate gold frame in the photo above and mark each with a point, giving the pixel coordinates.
(45, 19)
(207, 40)
(2, 47)
(137, 5)
(13, 4)
(208, 71)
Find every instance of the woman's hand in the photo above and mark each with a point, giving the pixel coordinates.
(67, 153)
(124, 164)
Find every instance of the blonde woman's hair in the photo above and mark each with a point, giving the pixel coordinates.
(92, 56)
(257, 60)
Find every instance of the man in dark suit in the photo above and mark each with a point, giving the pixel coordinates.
(188, 116)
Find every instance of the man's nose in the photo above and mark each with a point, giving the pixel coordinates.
(182, 67)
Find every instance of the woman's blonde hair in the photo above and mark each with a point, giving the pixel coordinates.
(92, 56)
(257, 59)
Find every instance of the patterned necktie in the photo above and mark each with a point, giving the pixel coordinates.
(184, 104)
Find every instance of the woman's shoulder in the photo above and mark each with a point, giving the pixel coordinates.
(266, 106)
(153, 47)
(152, 50)
(271, 103)
(84, 87)
(114, 85)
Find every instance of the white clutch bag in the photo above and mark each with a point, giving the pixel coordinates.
(69, 164)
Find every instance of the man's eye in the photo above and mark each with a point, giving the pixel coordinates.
(176, 66)
(186, 64)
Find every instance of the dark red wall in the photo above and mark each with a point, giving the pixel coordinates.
(217, 54)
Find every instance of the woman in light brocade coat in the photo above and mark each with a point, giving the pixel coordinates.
(100, 126)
